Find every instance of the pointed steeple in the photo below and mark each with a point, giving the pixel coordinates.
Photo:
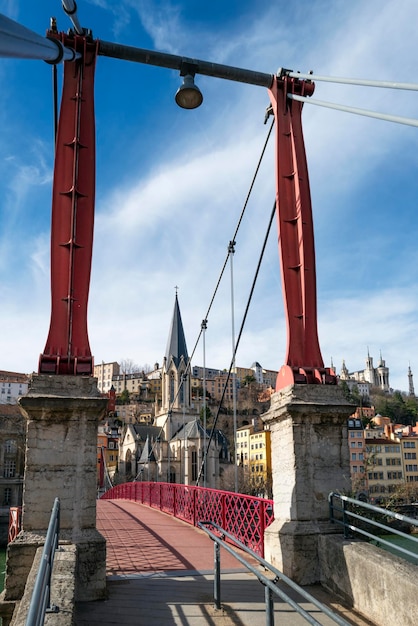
(176, 345)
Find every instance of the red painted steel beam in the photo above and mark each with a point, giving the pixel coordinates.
(303, 361)
(67, 350)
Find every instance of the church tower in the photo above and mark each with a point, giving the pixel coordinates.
(176, 409)
(382, 375)
(369, 373)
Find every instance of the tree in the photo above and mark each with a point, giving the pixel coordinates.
(127, 366)
(124, 397)
(209, 420)
(398, 408)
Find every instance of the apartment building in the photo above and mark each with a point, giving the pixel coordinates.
(12, 386)
(385, 471)
(357, 454)
(104, 374)
(409, 445)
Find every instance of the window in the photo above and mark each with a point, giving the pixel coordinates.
(7, 497)
(410, 455)
(375, 475)
(9, 468)
(10, 446)
(394, 475)
(411, 468)
(409, 444)
(353, 444)
(354, 456)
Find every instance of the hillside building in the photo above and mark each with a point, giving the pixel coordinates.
(104, 372)
(12, 386)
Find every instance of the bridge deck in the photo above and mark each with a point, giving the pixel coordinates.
(160, 571)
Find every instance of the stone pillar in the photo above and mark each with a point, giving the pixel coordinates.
(310, 458)
(62, 415)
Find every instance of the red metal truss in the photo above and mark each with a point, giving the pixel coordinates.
(303, 362)
(67, 349)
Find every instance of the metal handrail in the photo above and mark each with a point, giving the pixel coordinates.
(347, 515)
(40, 601)
(270, 585)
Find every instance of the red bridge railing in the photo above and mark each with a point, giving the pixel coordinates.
(245, 517)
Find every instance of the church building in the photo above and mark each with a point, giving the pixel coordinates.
(172, 449)
(373, 376)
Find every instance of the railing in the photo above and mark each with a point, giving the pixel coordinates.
(244, 517)
(40, 601)
(15, 518)
(372, 522)
(220, 536)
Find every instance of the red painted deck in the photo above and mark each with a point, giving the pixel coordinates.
(141, 540)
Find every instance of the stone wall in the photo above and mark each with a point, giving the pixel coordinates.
(376, 583)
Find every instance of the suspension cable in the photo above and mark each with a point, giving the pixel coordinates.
(231, 250)
(355, 81)
(244, 319)
(340, 107)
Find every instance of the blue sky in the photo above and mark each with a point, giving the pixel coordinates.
(171, 183)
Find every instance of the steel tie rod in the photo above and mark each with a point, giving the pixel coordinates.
(342, 107)
(19, 42)
(356, 81)
(70, 8)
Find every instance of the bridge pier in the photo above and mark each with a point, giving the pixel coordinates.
(310, 458)
(62, 414)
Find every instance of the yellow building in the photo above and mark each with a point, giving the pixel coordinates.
(260, 462)
(242, 448)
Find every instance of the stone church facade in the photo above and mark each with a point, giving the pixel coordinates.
(172, 448)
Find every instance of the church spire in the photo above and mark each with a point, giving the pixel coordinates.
(176, 344)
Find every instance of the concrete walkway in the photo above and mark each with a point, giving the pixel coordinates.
(160, 571)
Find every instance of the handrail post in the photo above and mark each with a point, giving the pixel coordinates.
(268, 594)
(345, 518)
(194, 507)
(262, 525)
(217, 576)
(223, 510)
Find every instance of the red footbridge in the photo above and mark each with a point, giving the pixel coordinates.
(245, 517)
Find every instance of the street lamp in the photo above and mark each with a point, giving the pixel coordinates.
(188, 95)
